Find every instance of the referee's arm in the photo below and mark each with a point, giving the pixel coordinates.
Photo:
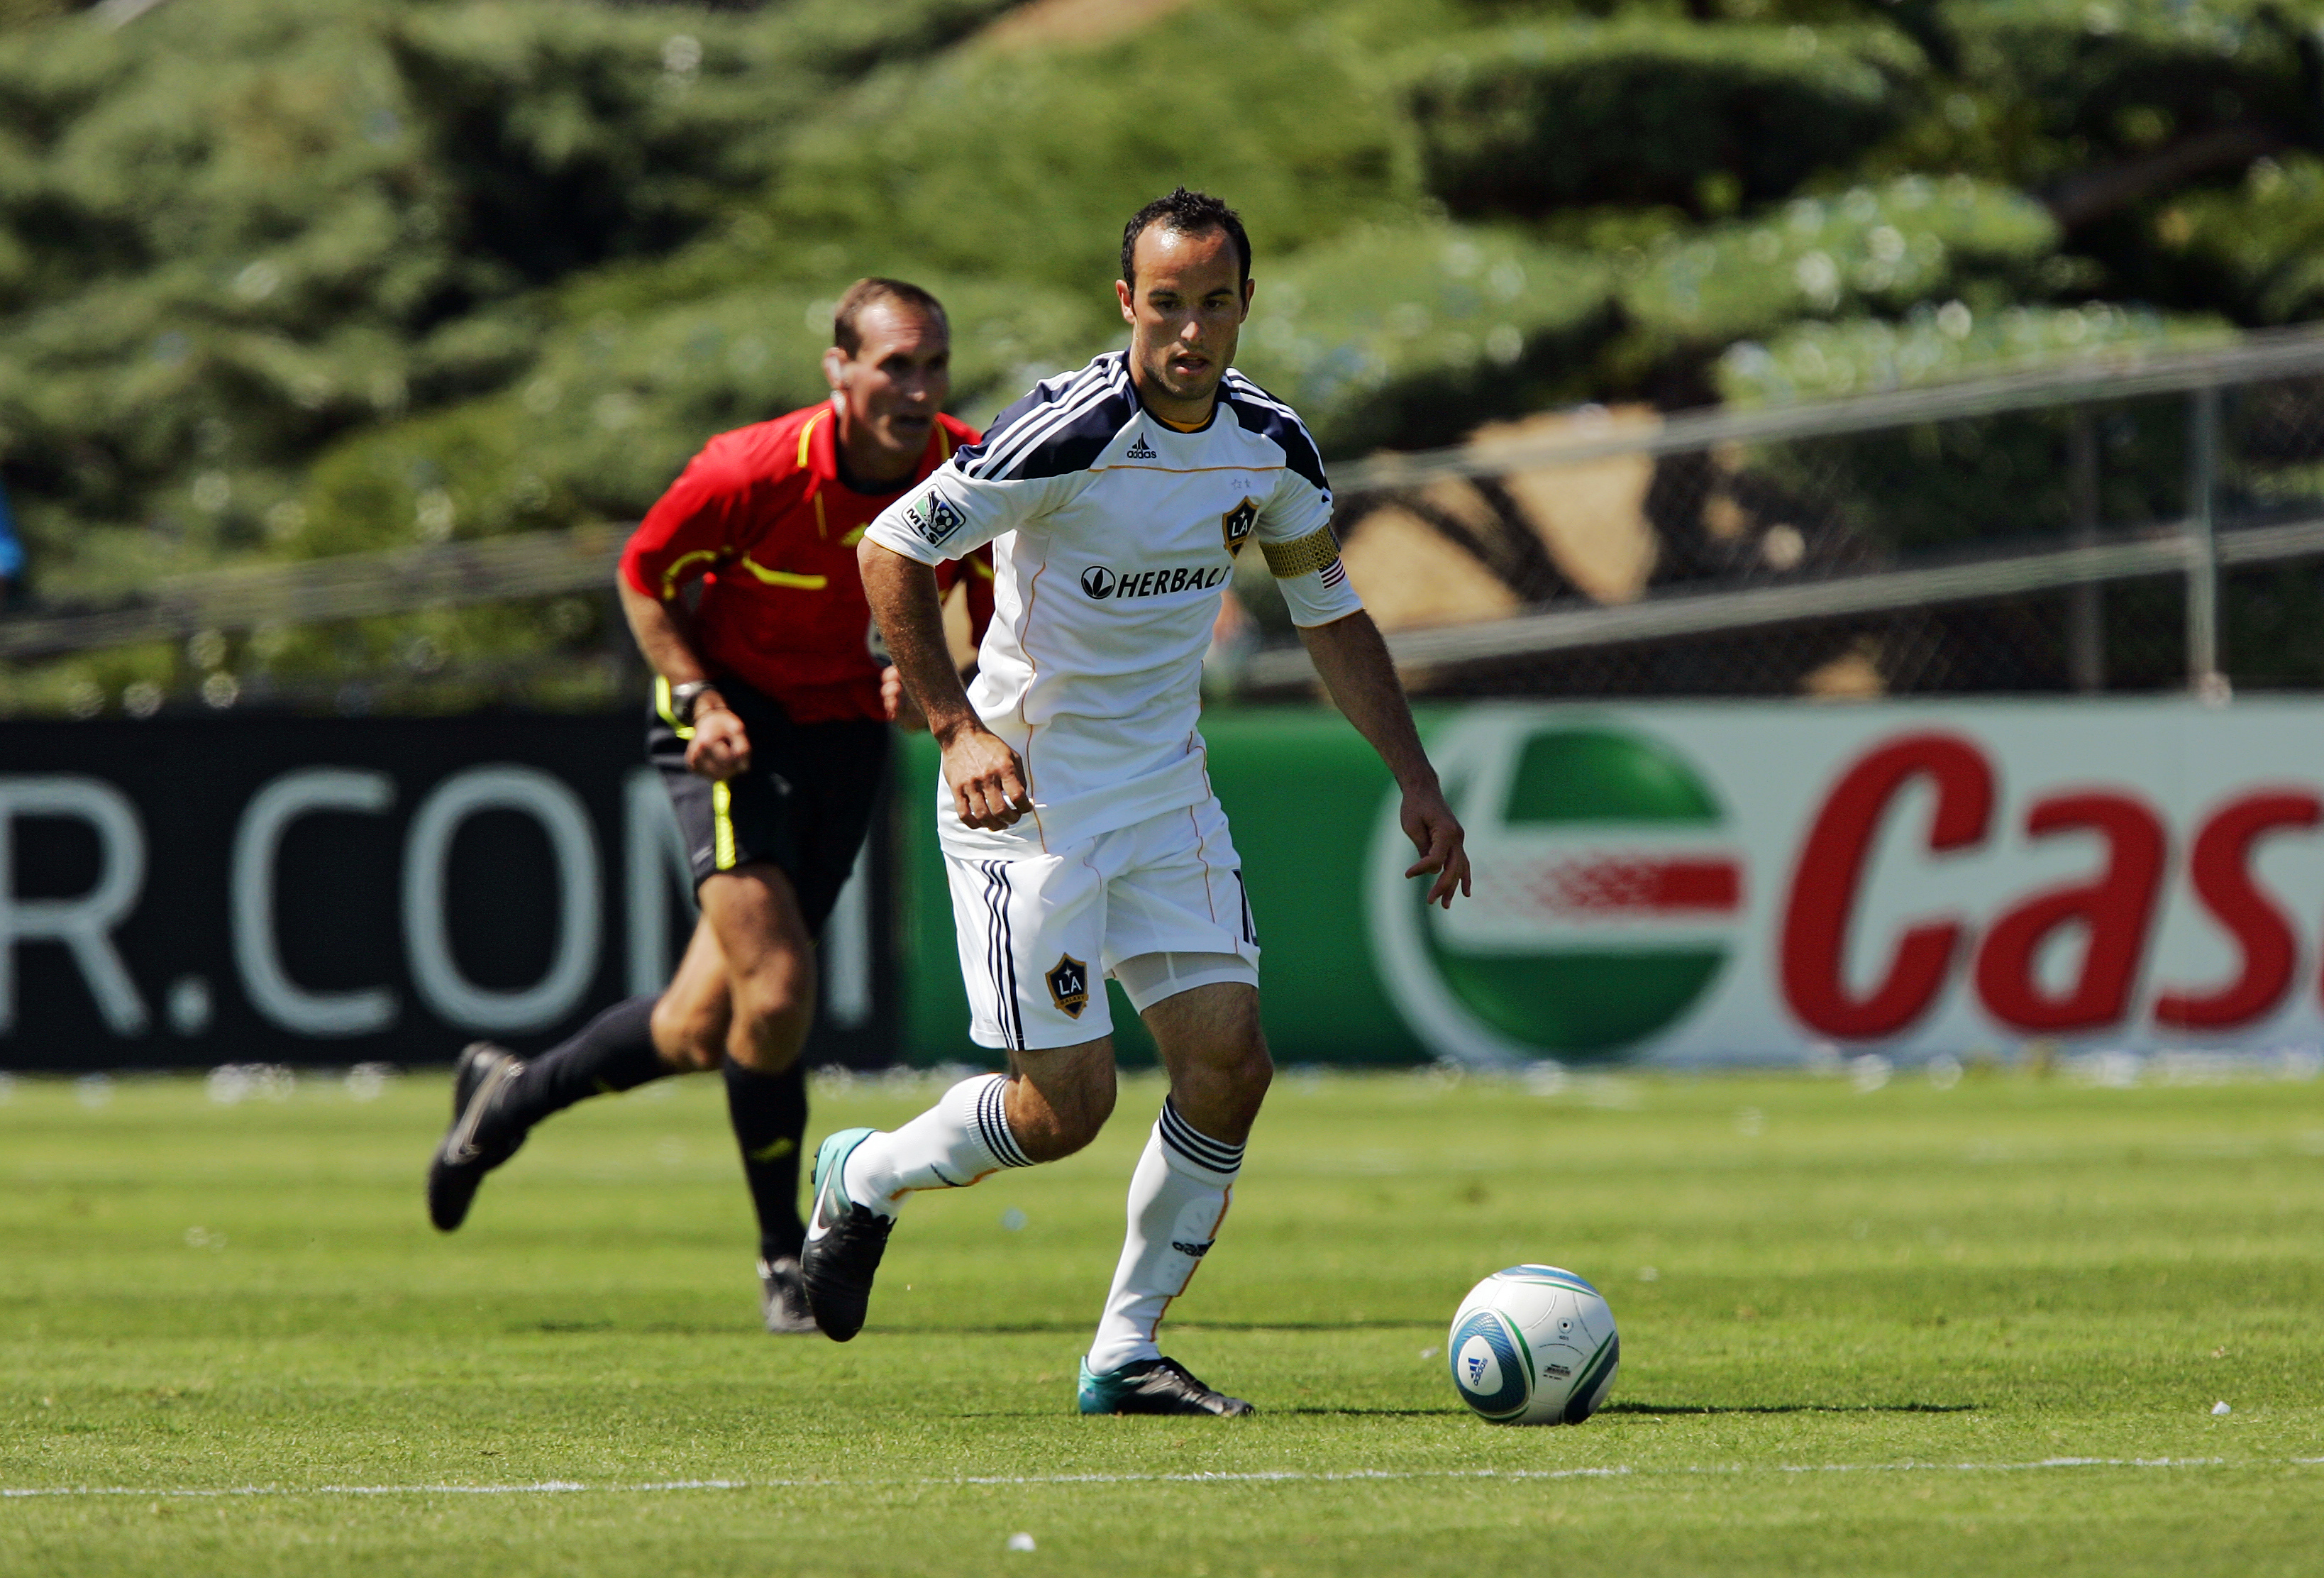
(988, 784)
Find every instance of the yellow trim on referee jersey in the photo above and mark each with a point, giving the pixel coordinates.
(668, 708)
(980, 568)
(723, 822)
(1304, 557)
(676, 565)
(820, 528)
(787, 577)
(807, 433)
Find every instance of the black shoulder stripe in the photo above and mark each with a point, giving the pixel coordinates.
(1260, 412)
(1061, 426)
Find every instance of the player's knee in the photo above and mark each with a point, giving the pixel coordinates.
(687, 1038)
(771, 1024)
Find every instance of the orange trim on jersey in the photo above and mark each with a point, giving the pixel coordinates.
(821, 529)
(1186, 470)
(1025, 645)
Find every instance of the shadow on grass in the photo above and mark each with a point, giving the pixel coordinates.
(1789, 1408)
(1051, 1328)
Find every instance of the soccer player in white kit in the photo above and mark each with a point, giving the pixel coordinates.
(1077, 823)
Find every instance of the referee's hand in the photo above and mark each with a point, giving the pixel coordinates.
(988, 782)
(720, 749)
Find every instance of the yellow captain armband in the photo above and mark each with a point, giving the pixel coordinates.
(1302, 556)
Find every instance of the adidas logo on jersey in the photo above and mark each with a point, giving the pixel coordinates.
(1101, 583)
(1142, 450)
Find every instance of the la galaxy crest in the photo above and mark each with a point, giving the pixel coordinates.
(1069, 986)
(1236, 524)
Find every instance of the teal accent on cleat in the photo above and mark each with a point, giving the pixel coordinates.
(1154, 1385)
(845, 1242)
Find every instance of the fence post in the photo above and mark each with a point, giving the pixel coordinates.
(2085, 606)
(2203, 677)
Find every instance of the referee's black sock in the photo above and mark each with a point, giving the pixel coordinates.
(614, 1052)
(769, 1115)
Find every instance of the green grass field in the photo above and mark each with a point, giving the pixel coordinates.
(1909, 1331)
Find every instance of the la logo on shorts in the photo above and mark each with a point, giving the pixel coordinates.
(1236, 525)
(1069, 985)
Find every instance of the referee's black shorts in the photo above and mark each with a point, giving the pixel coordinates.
(805, 805)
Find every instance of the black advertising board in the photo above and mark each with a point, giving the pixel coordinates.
(185, 892)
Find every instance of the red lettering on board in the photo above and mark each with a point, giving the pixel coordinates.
(1830, 875)
(2114, 909)
(2224, 882)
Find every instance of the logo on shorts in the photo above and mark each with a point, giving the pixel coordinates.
(1142, 450)
(933, 518)
(1193, 1251)
(1069, 985)
(1236, 524)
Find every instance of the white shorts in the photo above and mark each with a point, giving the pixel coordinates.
(1040, 934)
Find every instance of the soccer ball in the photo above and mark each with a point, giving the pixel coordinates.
(1534, 1346)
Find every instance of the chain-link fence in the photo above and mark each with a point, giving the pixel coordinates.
(2132, 526)
(2138, 523)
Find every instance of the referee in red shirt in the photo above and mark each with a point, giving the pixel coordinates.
(769, 726)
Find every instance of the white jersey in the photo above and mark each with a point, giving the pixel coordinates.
(1114, 535)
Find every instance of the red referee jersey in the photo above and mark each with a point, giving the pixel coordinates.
(762, 516)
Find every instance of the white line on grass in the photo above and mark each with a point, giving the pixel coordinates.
(1264, 1476)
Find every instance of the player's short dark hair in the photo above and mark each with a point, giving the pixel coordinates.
(1188, 214)
(870, 292)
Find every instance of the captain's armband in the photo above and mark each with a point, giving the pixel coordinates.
(1302, 556)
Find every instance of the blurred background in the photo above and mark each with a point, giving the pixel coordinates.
(1662, 350)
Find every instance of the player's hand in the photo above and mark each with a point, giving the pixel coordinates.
(720, 749)
(1437, 833)
(901, 709)
(988, 782)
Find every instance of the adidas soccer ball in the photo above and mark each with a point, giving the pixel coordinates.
(1534, 1346)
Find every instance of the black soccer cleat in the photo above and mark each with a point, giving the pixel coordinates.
(782, 1299)
(1154, 1385)
(474, 1144)
(845, 1242)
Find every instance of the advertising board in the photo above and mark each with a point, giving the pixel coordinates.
(1753, 882)
(193, 891)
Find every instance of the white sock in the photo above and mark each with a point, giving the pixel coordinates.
(1177, 1197)
(963, 1139)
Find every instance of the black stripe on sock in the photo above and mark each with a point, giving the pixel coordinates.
(992, 1125)
(1196, 1147)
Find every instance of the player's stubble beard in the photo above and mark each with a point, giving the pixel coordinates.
(1203, 272)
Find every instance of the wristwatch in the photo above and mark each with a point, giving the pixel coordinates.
(682, 698)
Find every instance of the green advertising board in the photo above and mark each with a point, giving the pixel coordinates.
(1302, 792)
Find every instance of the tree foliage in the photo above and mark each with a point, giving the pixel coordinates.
(289, 279)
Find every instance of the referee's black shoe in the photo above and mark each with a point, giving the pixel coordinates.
(845, 1242)
(476, 1142)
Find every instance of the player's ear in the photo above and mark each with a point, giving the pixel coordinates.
(1246, 286)
(1123, 294)
(834, 368)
